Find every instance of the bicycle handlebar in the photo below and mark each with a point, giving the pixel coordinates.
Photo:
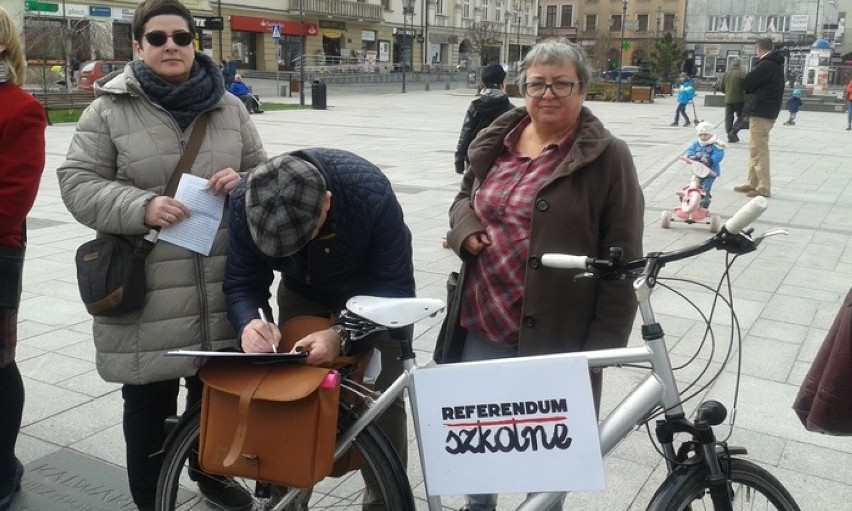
(565, 261)
(746, 215)
(729, 238)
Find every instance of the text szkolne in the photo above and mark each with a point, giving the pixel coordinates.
(498, 428)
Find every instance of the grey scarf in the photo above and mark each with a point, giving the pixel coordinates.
(186, 101)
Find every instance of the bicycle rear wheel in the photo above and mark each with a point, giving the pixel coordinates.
(752, 488)
(178, 487)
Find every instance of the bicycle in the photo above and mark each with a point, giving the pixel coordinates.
(703, 473)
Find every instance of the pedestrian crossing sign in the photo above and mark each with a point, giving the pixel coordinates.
(276, 31)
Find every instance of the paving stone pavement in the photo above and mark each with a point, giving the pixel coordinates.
(787, 292)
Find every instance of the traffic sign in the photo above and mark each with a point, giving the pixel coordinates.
(276, 31)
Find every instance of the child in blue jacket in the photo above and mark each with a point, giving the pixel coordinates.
(709, 151)
(684, 95)
(793, 106)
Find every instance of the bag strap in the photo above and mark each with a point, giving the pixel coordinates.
(145, 246)
(242, 417)
(188, 156)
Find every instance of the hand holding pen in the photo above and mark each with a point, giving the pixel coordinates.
(260, 336)
(273, 342)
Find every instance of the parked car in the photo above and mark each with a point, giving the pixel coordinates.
(627, 73)
(94, 70)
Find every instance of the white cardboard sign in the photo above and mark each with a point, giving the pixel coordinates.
(509, 426)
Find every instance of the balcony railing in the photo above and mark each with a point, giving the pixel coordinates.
(339, 8)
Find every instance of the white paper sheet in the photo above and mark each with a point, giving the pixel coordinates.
(197, 232)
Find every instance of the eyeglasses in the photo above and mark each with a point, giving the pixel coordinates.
(559, 89)
(159, 38)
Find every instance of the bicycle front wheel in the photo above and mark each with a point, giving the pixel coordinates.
(180, 482)
(751, 487)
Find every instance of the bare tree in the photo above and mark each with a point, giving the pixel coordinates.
(44, 50)
(483, 38)
(600, 51)
(48, 44)
(548, 32)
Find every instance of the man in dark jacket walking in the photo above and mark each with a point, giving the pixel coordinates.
(491, 104)
(330, 223)
(734, 98)
(765, 87)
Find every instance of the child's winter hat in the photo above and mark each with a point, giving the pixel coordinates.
(705, 128)
(797, 92)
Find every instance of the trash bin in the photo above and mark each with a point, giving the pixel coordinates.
(318, 95)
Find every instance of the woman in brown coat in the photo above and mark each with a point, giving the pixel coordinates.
(545, 178)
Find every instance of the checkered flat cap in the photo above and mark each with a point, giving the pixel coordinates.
(284, 198)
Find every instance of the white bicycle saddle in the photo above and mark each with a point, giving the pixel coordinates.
(394, 312)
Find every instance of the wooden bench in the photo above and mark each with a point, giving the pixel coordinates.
(62, 101)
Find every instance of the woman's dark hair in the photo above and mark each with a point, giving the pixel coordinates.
(150, 8)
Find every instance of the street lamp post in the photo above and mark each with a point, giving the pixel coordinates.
(621, 50)
(506, 56)
(518, 15)
(302, 49)
(407, 54)
(65, 41)
(518, 38)
(659, 22)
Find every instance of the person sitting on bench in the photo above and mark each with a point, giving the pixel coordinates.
(239, 89)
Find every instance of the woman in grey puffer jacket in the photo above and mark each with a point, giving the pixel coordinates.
(126, 147)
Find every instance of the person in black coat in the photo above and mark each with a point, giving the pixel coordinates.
(329, 222)
(765, 88)
(489, 105)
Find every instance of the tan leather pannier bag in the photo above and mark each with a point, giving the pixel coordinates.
(296, 328)
(269, 422)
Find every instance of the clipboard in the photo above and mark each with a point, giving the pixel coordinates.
(258, 358)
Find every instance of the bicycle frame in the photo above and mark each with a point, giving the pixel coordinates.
(657, 390)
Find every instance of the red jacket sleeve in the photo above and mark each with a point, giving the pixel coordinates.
(22, 156)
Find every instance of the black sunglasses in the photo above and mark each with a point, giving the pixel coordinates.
(160, 38)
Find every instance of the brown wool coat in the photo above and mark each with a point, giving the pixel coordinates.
(824, 401)
(592, 202)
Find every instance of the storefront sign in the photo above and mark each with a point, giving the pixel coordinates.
(32, 5)
(519, 425)
(368, 35)
(264, 25)
(122, 15)
(76, 11)
(740, 37)
(712, 49)
(338, 25)
(204, 23)
(798, 23)
(99, 11)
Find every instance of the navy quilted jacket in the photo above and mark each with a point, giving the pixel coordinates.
(364, 247)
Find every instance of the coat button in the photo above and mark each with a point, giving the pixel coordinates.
(535, 262)
(529, 321)
(542, 205)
